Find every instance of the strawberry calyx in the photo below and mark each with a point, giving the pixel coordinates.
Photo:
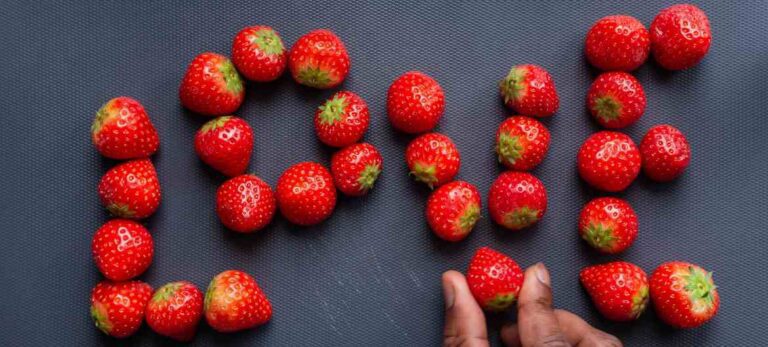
(509, 148)
(468, 218)
(425, 173)
(120, 210)
(368, 177)
(639, 301)
(267, 41)
(500, 302)
(101, 317)
(102, 117)
(607, 108)
(700, 288)
(314, 77)
(333, 110)
(521, 217)
(215, 123)
(231, 77)
(513, 86)
(599, 235)
(165, 292)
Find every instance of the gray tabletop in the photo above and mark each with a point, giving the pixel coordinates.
(370, 274)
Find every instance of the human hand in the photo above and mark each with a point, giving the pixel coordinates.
(537, 323)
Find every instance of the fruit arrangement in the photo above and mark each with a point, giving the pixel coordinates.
(684, 294)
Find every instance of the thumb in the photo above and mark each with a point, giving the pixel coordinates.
(536, 320)
(464, 320)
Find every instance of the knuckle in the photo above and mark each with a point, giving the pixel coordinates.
(597, 338)
(556, 340)
(464, 341)
(537, 305)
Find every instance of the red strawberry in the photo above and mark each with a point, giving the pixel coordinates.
(433, 159)
(616, 99)
(521, 143)
(453, 209)
(235, 302)
(609, 161)
(619, 289)
(259, 54)
(683, 294)
(122, 130)
(211, 86)
(517, 200)
(529, 90)
(609, 225)
(225, 143)
(306, 194)
(617, 43)
(665, 152)
(122, 249)
(131, 189)
(175, 309)
(117, 308)
(319, 60)
(415, 103)
(494, 279)
(356, 168)
(680, 36)
(245, 203)
(342, 120)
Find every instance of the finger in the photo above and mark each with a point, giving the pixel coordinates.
(579, 333)
(464, 320)
(537, 324)
(510, 335)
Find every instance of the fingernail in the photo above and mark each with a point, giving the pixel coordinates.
(542, 274)
(450, 295)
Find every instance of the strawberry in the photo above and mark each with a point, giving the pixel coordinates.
(433, 159)
(117, 308)
(453, 209)
(211, 86)
(415, 103)
(683, 294)
(680, 36)
(609, 225)
(306, 194)
(259, 54)
(355, 168)
(131, 189)
(665, 153)
(619, 289)
(616, 99)
(609, 161)
(529, 90)
(235, 302)
(521, 143)
(245, 203)
(122, 130)
(517, 200)
(342, 120)
(617, 43)
(494, 279)
(319, 60)
(225, 143)
(175, 309)
(122, 249)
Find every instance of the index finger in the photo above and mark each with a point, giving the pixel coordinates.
(537, 323)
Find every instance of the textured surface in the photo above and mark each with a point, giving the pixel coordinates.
(370, 274)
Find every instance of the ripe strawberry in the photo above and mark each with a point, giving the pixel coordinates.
(521, 143)
(494, 279)
(609, 225)
(680, 36)
(245, 203)
(306, 194)
(235, 302)
(665, 152)
(211, 86)
(319, 60)
(259, 54)
(122, 130)
(117, 308)
(175, 309)
(433, 159)
(617, 43)
(356, 168)
(453, 209)
(131, 189)
(415, 103)
(342, 120)
(225, 143)
(619, 289)
(530, 90)
(122, 249)
(609, 161)
(517, 200)
(683, 294)
(616, 99)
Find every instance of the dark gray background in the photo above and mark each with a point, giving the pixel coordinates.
(370, 274)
